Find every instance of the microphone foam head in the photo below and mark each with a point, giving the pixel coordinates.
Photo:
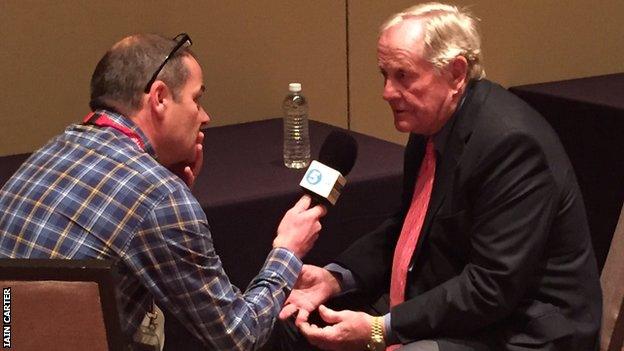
(339, 151)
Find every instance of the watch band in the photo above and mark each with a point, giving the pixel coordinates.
(376, 342)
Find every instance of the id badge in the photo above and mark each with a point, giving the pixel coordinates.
(146, 338)
(150, 335)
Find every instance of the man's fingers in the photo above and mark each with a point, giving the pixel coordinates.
(287, 311)
(329, 315)
(319, 337)
(318, 211)
(302, 316)
(303, 203)
(199, 158)
(188, 176)
(311, 331)
(305, 328)
(200, 138)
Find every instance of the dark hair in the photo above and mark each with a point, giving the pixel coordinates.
(122, 73)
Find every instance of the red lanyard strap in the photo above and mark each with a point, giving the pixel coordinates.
(102, 120)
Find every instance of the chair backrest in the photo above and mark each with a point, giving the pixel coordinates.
(611, 280)
(60, 305)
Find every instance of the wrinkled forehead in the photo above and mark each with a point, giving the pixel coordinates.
(401, 45)
(395, 58)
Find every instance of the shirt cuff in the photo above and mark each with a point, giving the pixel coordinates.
(284, 263)
(389, 335)
(344, 276)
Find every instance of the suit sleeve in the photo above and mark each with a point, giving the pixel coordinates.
(512, 205)
(370, 257)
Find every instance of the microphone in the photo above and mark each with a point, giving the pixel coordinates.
(325, 178)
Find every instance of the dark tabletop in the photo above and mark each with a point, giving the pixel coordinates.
(243, 162)
(607, 90)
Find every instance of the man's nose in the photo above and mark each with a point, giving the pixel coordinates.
(205, 118)
(390, 92)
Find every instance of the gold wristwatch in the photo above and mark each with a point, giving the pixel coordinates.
(376, 342)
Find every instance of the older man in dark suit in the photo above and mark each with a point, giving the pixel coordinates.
(491, 250)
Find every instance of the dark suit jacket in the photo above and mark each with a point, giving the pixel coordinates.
(505, 256)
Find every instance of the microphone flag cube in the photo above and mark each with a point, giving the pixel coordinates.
(323, 181)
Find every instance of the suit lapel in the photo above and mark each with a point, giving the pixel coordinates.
(446, 164)
(445, 169)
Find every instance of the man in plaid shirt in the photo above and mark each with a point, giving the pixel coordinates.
(117, 187)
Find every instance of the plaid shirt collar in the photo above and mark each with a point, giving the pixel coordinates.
(128, 123)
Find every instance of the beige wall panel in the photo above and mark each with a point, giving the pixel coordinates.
(250, 51)
(524, 42)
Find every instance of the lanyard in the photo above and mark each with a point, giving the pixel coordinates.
(102, 120)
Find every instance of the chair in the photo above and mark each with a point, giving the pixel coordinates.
(60, 305)
(612, 330)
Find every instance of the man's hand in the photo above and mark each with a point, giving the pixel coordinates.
(349, 330)
(188, 172)
(299, 227)
(314, 286)
(192, 171)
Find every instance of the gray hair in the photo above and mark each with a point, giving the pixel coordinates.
(123, 72)
(448, 32)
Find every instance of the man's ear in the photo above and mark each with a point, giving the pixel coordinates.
(458, 68)
(159, 98)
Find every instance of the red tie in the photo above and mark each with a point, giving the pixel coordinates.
(412, 226)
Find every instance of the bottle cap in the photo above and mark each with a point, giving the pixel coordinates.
(294, 87)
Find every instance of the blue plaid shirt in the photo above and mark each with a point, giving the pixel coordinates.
(91, 192)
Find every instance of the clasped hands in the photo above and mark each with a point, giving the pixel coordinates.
(346, 330)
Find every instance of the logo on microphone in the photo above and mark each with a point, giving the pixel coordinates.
(314, 176)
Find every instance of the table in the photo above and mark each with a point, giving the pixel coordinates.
(244, 190)
(588, 116)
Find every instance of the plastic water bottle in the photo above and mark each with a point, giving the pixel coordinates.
(296, 136)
